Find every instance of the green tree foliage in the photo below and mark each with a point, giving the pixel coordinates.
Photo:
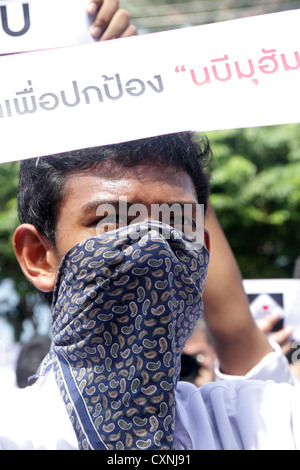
(255, 179)
(8, 214)
(19, 299)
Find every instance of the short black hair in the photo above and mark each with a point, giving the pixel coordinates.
(42, 180)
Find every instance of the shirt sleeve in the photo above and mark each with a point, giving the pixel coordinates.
(238, 415)
(274, 366)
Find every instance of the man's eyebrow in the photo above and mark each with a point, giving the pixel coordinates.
(179, 203)
(93, 205)
(116, 202)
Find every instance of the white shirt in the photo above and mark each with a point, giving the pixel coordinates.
(227, 414)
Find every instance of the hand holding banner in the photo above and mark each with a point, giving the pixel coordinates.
(286, 292)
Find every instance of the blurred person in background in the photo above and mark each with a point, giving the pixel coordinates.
(30, 357)
(199, 357)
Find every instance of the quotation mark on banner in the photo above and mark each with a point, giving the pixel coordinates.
(180, 69)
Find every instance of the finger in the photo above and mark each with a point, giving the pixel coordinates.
(104, 17)
(93, 6)
(267, 323)
(281, 336)
(118, 26)
(130, 31)
(285, 348)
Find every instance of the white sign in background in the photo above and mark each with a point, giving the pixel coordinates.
(290, 290)
(28, 25)
(233, 74)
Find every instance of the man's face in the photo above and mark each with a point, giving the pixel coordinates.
(89, 190)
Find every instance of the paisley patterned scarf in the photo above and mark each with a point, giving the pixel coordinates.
(124, 306)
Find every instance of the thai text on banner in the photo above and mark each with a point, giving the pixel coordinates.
(239, 73)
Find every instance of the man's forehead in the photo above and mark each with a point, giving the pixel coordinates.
(110, 173)
(142, 183)
(110, 169)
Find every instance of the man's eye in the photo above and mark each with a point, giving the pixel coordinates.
(108, 219)
(109, 223)
(177, 221)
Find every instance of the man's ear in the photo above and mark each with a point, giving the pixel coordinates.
(36, 257)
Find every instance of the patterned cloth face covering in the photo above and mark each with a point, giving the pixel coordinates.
(124, 306)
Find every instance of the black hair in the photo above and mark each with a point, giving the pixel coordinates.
(42, 181)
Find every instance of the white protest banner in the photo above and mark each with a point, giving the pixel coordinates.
(28, 25)
(240, 73)
(267, 294)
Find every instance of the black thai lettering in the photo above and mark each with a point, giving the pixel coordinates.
(49, 104)
(76, 93)
(119, 87)
(26, 102)
(26, 90)
(8, 108)
(160, 87)
(4, 19)
(26, 107)
(135, 90)
(86, 90)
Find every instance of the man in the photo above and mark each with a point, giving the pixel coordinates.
(126, 296)
(70, 191)
(239, 335)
